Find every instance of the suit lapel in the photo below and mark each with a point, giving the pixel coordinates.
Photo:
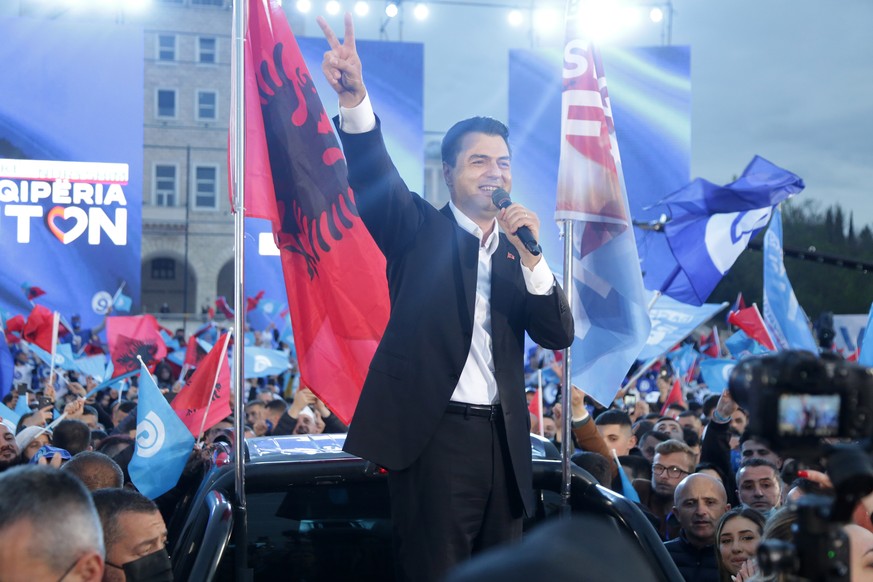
(466, 266)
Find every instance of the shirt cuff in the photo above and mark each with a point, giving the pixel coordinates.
(358, 119)
(540, 280)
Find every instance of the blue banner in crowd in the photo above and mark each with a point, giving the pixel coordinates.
(741, 345)
(71, 156)
(865, 358)
(715, 374)
(789, 326)
(672, 322)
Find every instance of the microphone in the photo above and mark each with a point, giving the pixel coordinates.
(501, 200)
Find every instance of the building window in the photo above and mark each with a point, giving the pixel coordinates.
(205, 186)
(166, 103)
(206, 50)
(167, 47)
(164, 269)
(207, 2)
(207, 105)
(165, 185)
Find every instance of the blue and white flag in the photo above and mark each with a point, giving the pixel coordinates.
(711, 225)
(262, 362)
(683, 361)
(96, 367)
(163, 442)
(716, 373)
(122, 303)
(64, 358)
(788, 324)
(673, 321)
(7, 366)
(849, 330)
(741, 345)
(865, 357)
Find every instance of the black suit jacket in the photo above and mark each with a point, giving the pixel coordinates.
(431, 269)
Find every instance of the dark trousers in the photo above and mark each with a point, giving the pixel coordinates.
(458, 498)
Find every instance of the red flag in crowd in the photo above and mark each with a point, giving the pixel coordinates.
(674, 397)
(209, 383)
(38, 329)
(750, 321)
(130, 336)
(710, 345)
(739, 304)
(14, 329)
(194, 354)
(31, 291)
(536, 408)
(252, 302)
(295, 176)
(223, 306)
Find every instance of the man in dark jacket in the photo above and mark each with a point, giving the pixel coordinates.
(699, 502)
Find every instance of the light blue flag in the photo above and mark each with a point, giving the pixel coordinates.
(122, 303)
(262, 362)
(163, 443)
(7, 366)
(789, 326)
(178, 356)
(865, 358)
(64, 358)
(627, 488)
(94, 366)
(716, 373)
(740, 345)
(672, 322)
(7, 413)
(683, 360)
(711, 225)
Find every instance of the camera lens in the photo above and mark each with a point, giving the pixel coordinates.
(776, 556)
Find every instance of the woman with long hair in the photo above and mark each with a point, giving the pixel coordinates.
(737, 537)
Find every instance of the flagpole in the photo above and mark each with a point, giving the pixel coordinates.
(566, 379)
(55, 324)
(214, 382)
(240, 27)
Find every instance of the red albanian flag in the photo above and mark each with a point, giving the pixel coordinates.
(295, 176)
(210, 382)
(132, 336)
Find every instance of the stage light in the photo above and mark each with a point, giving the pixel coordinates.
(391, 10)
(545, 20)
(656, 15)
(515, 17)
(137, 4)
(421, 11)
(304, 6)
(601, 22)
(362, 8)
(333, 7)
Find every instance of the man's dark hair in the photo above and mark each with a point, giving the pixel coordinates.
(653, 416)
(124, 406)
(709, 404)
(657, 435)
(712, 467)
(596, 464)
(112, 502)
(89, 410)
(95, 470)
(20, 426)
(279, 406)
(748, 436)
(72, 435)
(613, 416)
(688, 414)
(59, 509)
(759, 462)
(640, 465)
(690, 436)
(451, 145)
(641, 427)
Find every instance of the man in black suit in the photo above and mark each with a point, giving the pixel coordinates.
(443, 407)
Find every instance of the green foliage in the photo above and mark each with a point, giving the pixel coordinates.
(818, 287)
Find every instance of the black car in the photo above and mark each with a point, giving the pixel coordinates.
(316, 513)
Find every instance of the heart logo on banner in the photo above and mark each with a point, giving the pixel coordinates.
(66, 214)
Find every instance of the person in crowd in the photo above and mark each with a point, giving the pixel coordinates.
(691, 420)
(10, 454)
(549, 427)
(73, 436)
(739, 420)
(759, 485)
(636, 467)
(120, 410)
(755, 447)
(588, 437)
(597, 466)
(738, 536)
(30, 439)
(710, 469)
(95, 470)
(699, 501)
(707, 407)
(650, 441)
(639, 410)
(715, 447)
(615, 428)
(670, 426)
(49, 529)
(673, 461)
(136, 537)
(415, 410)
(692, 439)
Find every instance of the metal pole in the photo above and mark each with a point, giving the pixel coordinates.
(240, 21)
(187, 230)
(567, 378)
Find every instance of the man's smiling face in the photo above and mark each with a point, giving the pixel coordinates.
(483, 165)
(8, 447)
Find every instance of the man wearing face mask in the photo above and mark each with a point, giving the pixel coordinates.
(136, 537)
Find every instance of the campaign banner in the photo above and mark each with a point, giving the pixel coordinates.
(395, 83)
(71, 135)
(650, 97)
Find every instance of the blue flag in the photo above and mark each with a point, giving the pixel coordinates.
(95, 366)
(683, 360)
(262, 362)
(789, 326)
(865, 358)
(64, 358)
(716, 373)
(122, 303)
(741, 345)
(672, 322)
(163, 443)
(627, 488)
(711, 225)
(7, 366)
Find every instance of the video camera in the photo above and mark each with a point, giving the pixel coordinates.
(801, 404)
(795, 399)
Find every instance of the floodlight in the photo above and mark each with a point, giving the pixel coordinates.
(515, 17)
(391, 10)
(333, 7)
(304, 6)
(421, 11)
(656, 15)
(362, 8)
